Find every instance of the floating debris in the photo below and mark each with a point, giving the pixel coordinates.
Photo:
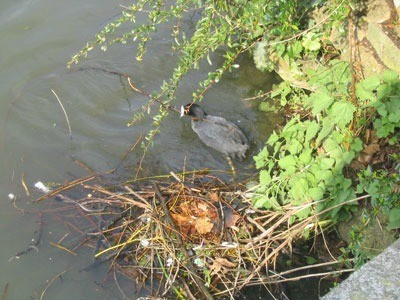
(40, 186)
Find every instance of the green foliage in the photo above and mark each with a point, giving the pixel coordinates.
(305, 162)
(383, 188)
(382, 93)
(355, 249)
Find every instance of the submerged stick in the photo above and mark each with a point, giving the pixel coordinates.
(4, 295)
(65, 113)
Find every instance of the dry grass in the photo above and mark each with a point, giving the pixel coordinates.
(196, 229)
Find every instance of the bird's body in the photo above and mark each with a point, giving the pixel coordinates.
(217, 133)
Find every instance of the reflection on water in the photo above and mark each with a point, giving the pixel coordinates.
(37, 39)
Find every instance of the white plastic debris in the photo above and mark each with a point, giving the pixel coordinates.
(145, 243)
(170, 261)
(229, 245)
(40, 186)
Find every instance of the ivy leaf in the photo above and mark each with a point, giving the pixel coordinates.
(343, 112)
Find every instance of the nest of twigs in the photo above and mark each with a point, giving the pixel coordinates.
(196, 238)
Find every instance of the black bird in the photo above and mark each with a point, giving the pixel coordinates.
(216, 132)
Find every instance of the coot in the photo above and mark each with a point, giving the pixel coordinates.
(216, 132)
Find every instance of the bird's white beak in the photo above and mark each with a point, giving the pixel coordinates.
(182, 111)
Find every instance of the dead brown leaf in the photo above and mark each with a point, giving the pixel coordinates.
(231, 217)
(371, 149)
(203, 225)
(202, 206)
(221, 265)
(181, 220)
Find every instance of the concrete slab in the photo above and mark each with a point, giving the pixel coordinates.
(378, 279)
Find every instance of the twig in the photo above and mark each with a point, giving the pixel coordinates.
(59, 246)
(4, 295)
(24, 184)
(65, 113)
(51, 282)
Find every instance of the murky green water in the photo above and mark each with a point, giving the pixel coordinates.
(37, 38)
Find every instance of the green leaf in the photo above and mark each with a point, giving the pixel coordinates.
(294, 147)
(305, 157)
(295, 49)
(288, 163)
(327, 163)
(390, 76)
(265, 177)
(371, 83)
(343, 112)
(320, 101)
(363, 94)
(267, 203)
(273, 138)
(394, 218)
(316, 193)
(261, 158)
(303, 213)
(327, 126)
(298, 190)
(357, 145)
(311, 42)
(312, 130)
(384, 90)
(325, 175)
(310, 260)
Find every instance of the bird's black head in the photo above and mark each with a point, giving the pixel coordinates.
(194, 110)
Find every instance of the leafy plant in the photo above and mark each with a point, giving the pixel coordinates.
(304, 163)
(382, 94)
(383, 188)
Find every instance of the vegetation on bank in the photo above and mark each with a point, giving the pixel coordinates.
(337, 154)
